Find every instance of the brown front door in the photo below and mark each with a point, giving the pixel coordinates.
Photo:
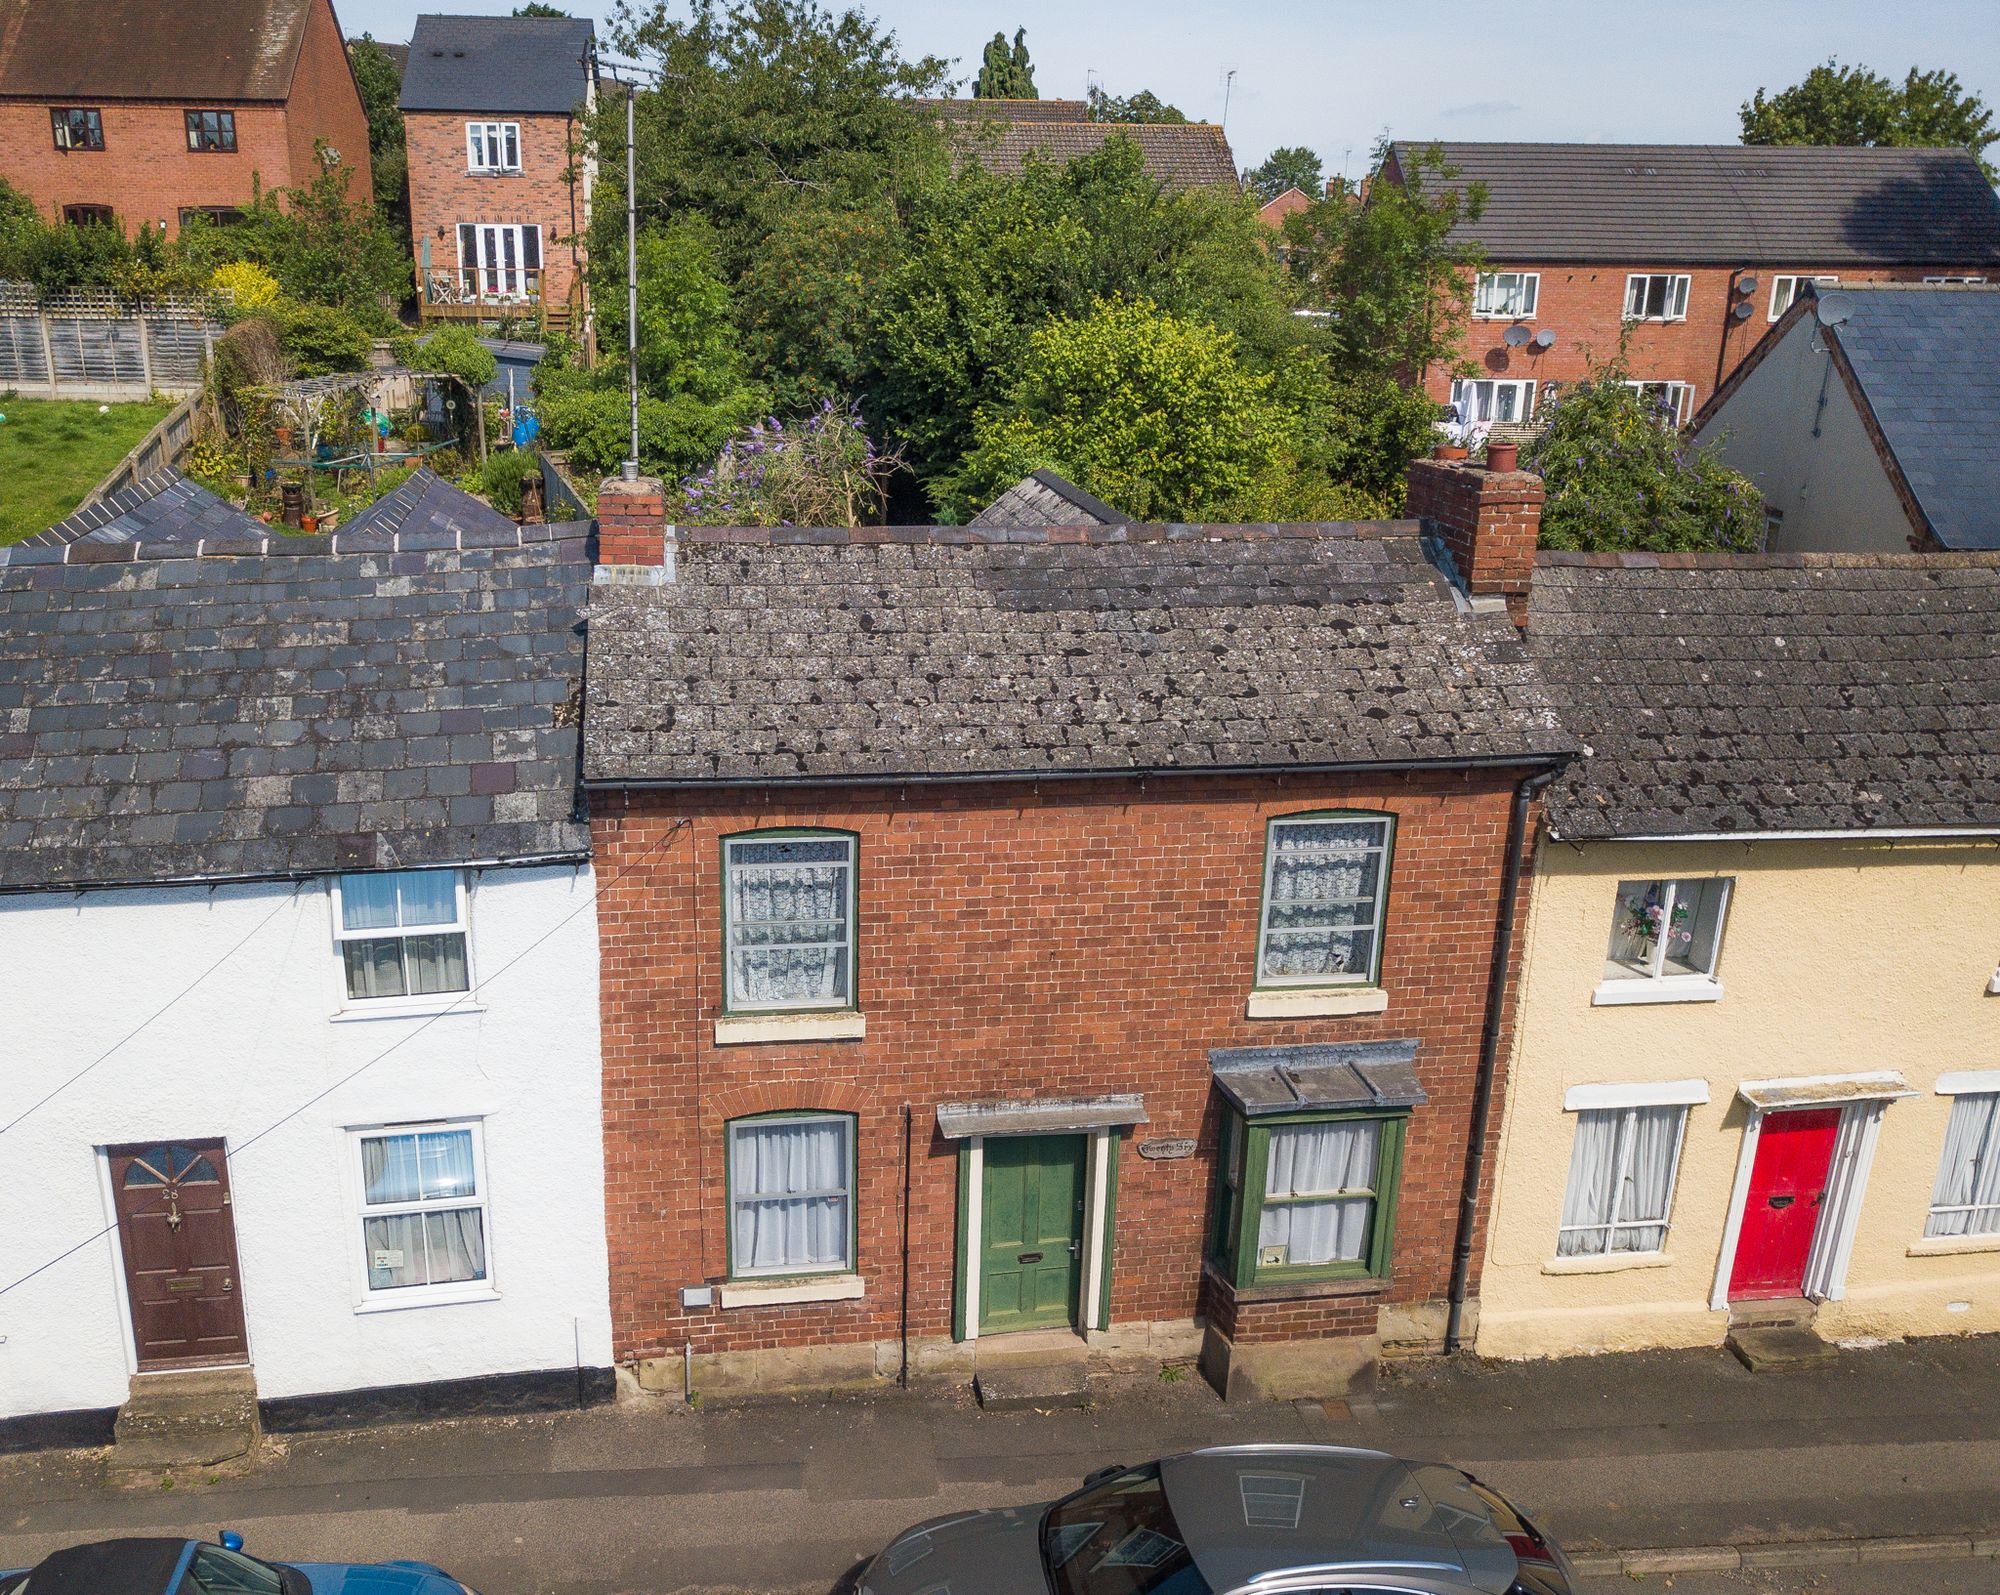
(179, 1239)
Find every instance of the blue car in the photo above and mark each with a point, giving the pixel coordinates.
(194, 1567)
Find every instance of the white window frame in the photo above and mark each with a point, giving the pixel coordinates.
(1679, 286)
(492, 275)
(369, 1299)
(1785, 289)
(419, 1002)
(487, 148)
(734, 1004)
(1386, 848)
(1460, 386)
(1946, 281)
(1658, 986)
(1682, 394)
(1528, 287)
(1621, 1169)
(1988, 1150)
(850, 1135)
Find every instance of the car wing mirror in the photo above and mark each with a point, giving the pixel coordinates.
(1102, 1474)
(229, 1540)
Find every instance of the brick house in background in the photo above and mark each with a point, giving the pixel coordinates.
(1077, 928)
(494, 113)
(1690, 251)
(151, 110)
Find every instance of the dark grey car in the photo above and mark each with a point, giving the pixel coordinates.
(1276, 1520)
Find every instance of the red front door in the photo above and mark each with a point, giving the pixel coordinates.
(1787, 1184)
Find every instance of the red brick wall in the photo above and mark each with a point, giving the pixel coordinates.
(1585, 307)
(1076, 938)
(444, 193)
(1490, 520)
(326, 104)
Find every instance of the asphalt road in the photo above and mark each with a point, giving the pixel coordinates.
(1978, 1577)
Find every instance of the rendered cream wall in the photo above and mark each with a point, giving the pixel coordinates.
(247, 1046)
(1837, 958)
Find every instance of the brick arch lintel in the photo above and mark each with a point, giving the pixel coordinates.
(780, 1096)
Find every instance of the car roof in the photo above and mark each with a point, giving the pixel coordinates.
(140, 1566)
(1257, 1513)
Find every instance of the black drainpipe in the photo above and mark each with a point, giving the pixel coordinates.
(1489, 1053)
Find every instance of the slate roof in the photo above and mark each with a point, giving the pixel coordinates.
(426, 503)
(530, 65)
(272, 708)
(1727, 204)
(1182, 155)
(976, 110)
(1927, 360)
(163, 507)
(1046, 499)
(1811, 692)
(956, 653)
(143, 49)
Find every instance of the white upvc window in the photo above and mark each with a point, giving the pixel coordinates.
(1490, 400)
(1656, 296)
(1784, 290)
(791, 1195)
(402, 934)
(1621, 1179)
(424, 1228)
(1665, 939)
(1325, 879)
(1506, 295)
(493, 146)
(788, 903)
(1674, 400)
(1960, 280)
(1966, 1198)
(500, 260)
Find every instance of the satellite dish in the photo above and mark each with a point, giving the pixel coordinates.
(1747, 283)
(1545, 339)
(1514, 337)
(1743, 310)
(1833, 309)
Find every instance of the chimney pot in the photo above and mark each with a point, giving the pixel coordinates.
(292, 496)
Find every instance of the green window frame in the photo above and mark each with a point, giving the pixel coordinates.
(1243, 1168)
(1347, 921)
(744, 937)
(740, 1268)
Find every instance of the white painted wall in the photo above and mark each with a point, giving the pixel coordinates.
(253, 1042)
(1833, 489)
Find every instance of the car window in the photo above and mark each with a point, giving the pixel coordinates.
(1119, 1538)
(215, 1571)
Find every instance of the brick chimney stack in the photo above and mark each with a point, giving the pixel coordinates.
(1489, 520)
(632, 523)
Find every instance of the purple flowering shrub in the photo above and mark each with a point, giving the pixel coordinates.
(819, 469)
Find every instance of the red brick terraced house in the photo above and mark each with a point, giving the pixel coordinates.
(1687, 252)
(148, 111)
(1092, 930)
(495, 120)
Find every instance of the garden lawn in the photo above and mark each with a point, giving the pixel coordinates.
(53, 451)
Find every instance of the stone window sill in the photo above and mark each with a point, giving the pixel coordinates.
(1679, 988)
(785, 1292)
(1316, 1002)
(395, 1008)
(1612, 1263)
(735, 1030)
(1953, 1245)
(398, 1302)
(1299, 1290)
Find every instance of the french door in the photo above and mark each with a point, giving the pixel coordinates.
(500, 260)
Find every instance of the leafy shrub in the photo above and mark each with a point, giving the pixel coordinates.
(247, 286)
(820, 470)
(320, 339)
(449, 351)
(500, 479)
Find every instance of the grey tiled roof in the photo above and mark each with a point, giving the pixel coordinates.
(1009, 110)
(1727, 204)
(185, 51)
(164, 507)
(166, 716)
(1182, 155)
(1790, 692)
(1928, 362)
(531, 65)
(425, 502)
(1046, 499)
(952, 652)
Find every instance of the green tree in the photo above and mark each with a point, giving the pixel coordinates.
(536, 8)
(1851, 105)
(1294, 166)
(1006, 73)
(1152, 413)
(389, 163)
(1145, 106)
(21, 228)
(1620, 476)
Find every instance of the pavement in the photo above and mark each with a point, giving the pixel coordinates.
(1686, 1453)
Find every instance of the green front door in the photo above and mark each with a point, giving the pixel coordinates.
(1031, 1241)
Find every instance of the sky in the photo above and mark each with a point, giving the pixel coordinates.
(1335, 74)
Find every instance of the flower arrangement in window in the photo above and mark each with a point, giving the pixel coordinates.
(1645, 915)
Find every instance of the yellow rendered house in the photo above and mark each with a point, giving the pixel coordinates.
(1756, 1067)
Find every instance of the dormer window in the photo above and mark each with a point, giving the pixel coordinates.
(493, 146)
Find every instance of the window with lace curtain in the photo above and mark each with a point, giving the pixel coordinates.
(788, 905)
(423, 1209)
(791, 1194)
(1621, 1180)
(1966, 1197)
(1325, 879)
(1306, 1197)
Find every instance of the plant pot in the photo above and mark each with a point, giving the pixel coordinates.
(1449, 451)
(1503, 456)
(308, 523)
(284, 437)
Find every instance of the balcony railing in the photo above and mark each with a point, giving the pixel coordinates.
(475, 292)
